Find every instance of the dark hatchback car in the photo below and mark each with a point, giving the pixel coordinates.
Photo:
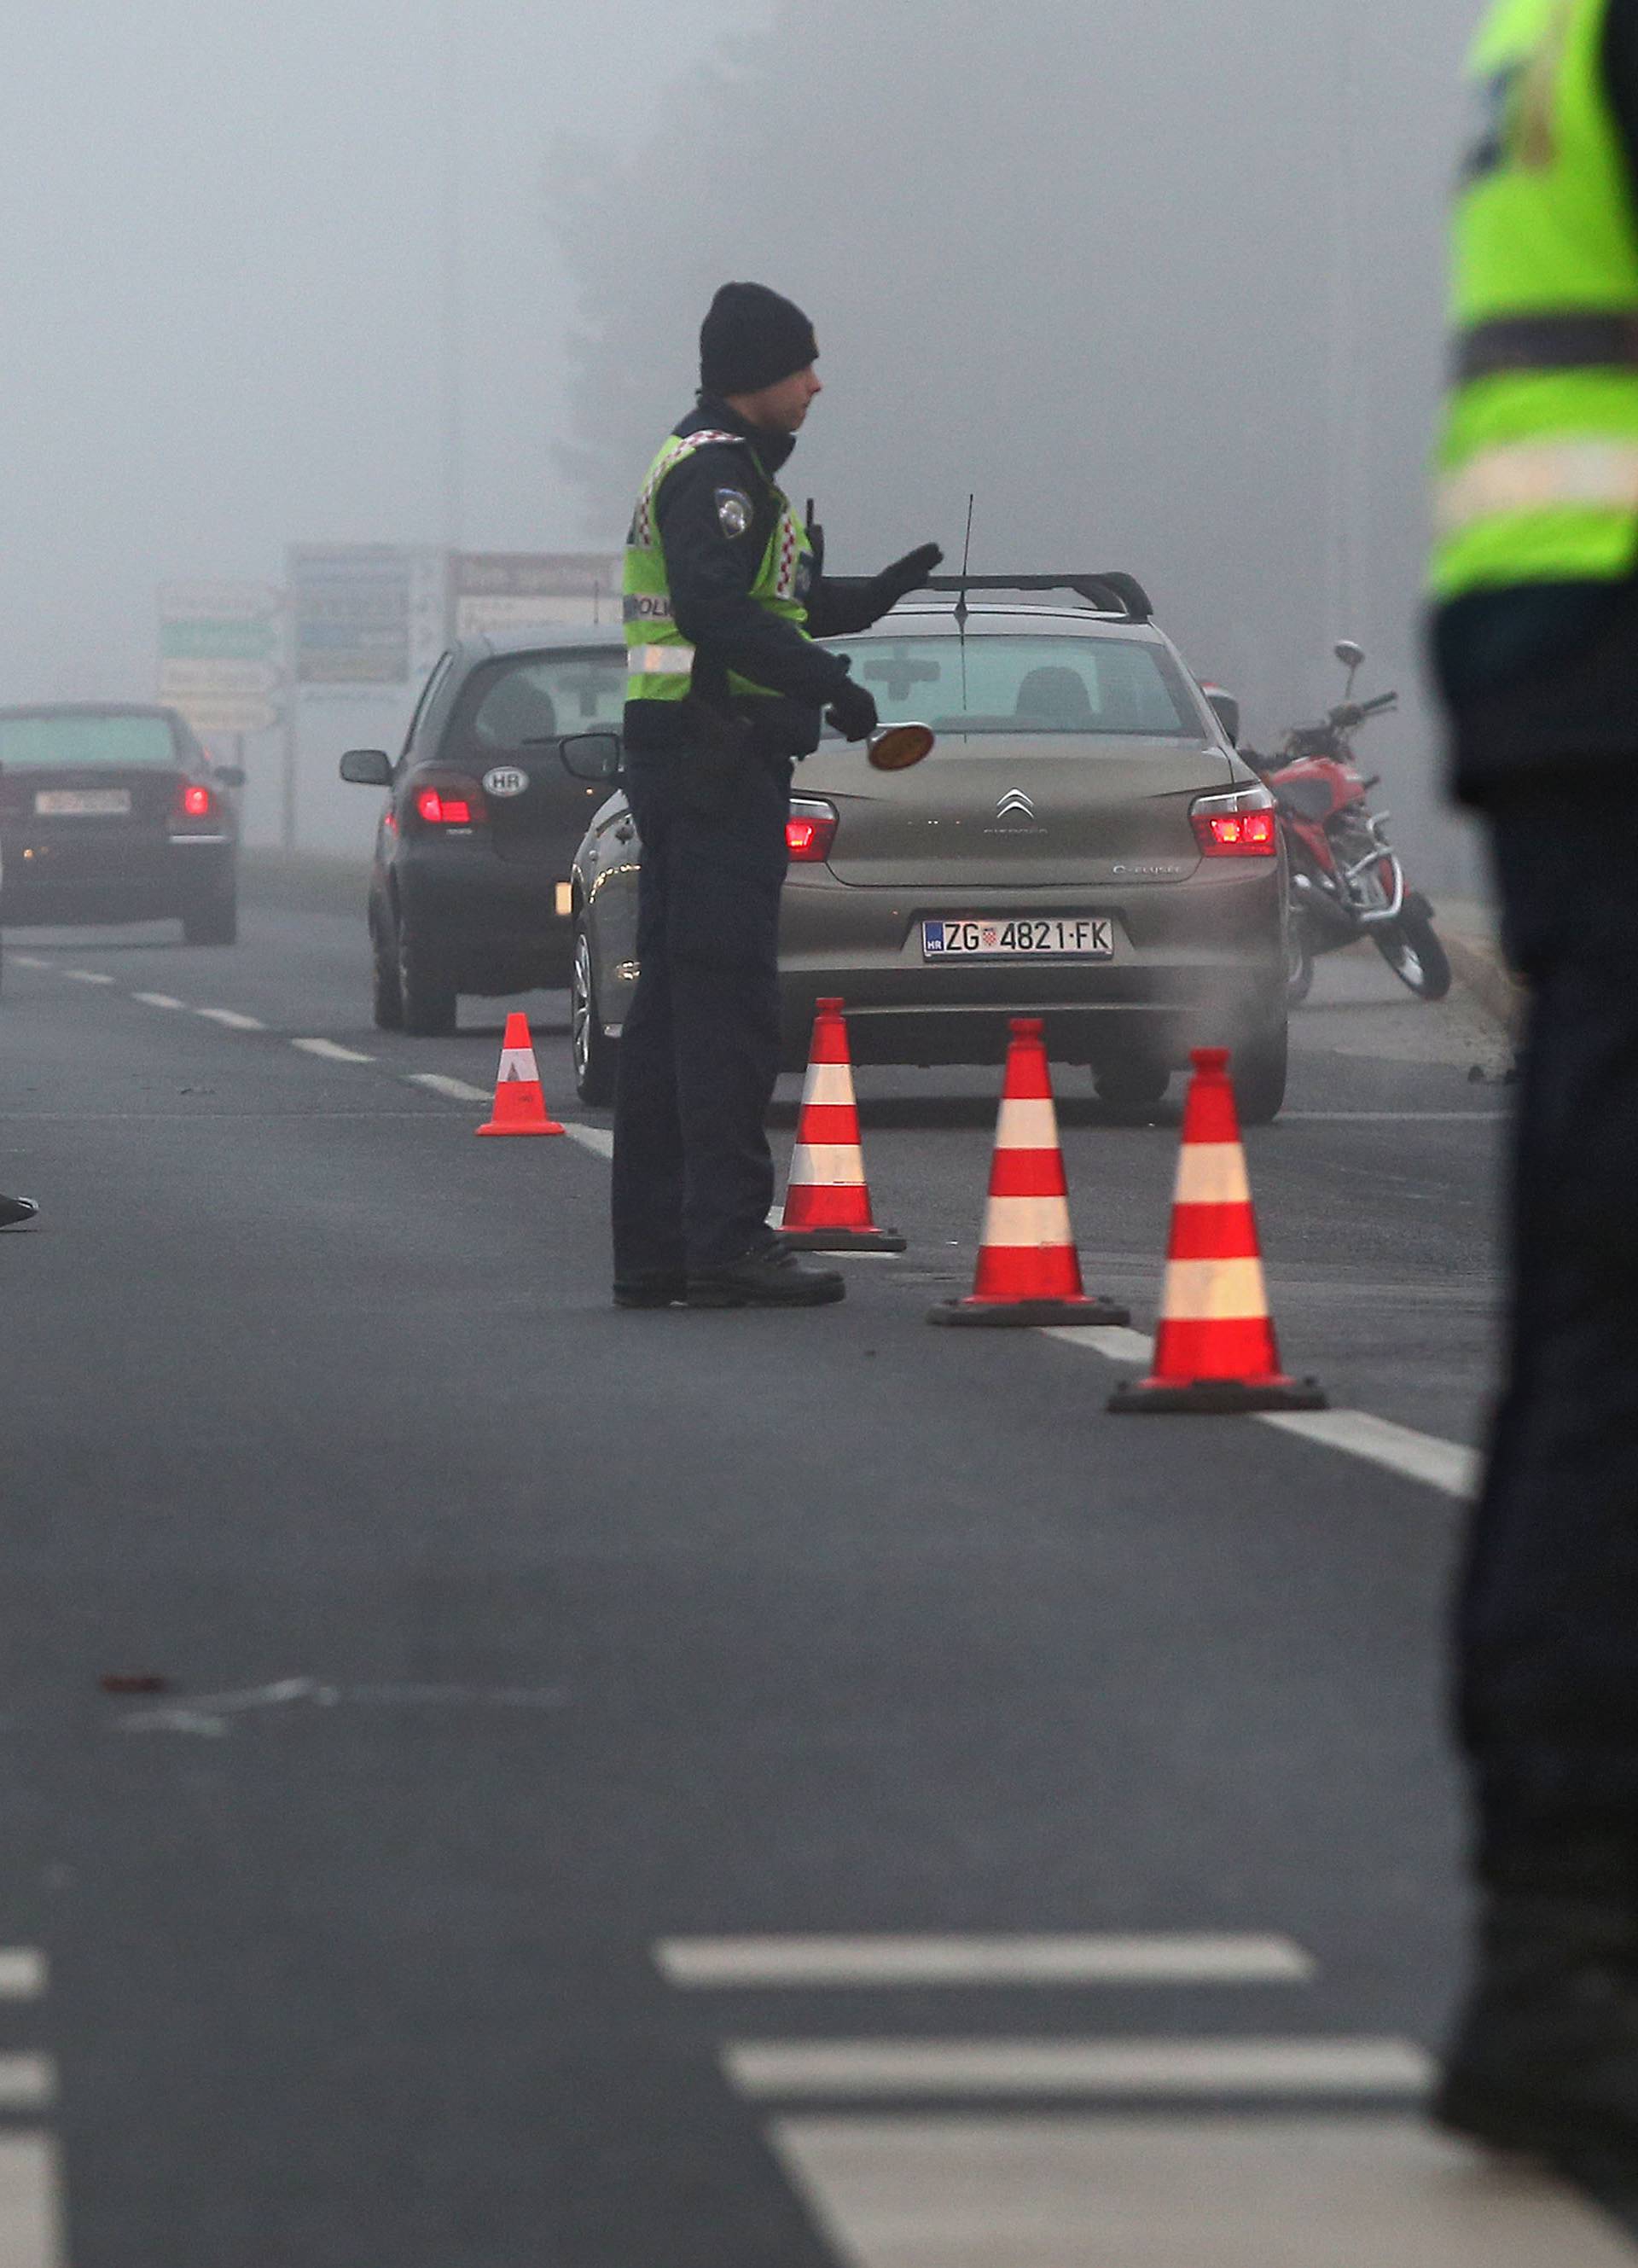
(110, 811)
(470, 890)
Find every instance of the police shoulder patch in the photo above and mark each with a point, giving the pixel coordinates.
(733, 511)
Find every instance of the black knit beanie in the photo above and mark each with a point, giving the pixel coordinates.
(752, 338)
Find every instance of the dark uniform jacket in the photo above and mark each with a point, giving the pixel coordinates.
(1547, 675)
(710, 570)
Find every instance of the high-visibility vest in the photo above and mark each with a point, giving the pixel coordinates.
(1537, 472)
(658, 657)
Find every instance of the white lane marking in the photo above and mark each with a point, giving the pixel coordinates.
(1393, 1117)
(709, 1964)
(159, 1000)
(1119, 1345)
(87, 976)
(598, 1140)
(1450, 1467)
(22, 1974)
(1315, 2191)
(1104, 2067)
(459, 1090)
(27, 2082)
(28, 960)
(31, 2202)
(231, 1019)
(331, 1050)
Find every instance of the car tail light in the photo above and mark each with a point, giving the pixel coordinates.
(810, 831)
(1242, 824)
(196, 802)
(451, 801)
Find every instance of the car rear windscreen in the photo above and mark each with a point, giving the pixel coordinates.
(62, 743)
(1010, 684)
(510, 705)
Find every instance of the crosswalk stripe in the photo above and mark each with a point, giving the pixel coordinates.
(31, 2204)
(804, 2069)
(22, 1973)
(717, 1962)
(27, 2082)
(1178, 2190)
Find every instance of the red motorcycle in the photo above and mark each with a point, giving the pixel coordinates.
(1346, 881)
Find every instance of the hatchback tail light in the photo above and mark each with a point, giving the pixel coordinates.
(450, 799)
(1241, 825)
(810, 831)
(196, 801)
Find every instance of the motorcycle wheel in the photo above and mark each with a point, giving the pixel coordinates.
(1299, 962)
(1416, 955)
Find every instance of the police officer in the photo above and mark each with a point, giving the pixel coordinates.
(724, 597)
(1536, 639)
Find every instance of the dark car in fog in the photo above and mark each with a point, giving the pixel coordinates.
(113, 811)
(470, 890)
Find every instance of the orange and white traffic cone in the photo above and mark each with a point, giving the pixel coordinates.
(1029, 1272)
(827, 1200)
(1215, 1351)
(519, 1103)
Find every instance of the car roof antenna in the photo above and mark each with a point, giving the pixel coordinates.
(961, 605)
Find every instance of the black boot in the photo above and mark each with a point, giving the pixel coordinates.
(15, 1210)
(767, 1277)
(1546, 2055)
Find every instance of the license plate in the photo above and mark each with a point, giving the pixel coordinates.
(82, 803)
(1054, 937)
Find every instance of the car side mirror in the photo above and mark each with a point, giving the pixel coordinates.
(228, 775)
(1226, 710)
(593, 756)
(367, 768)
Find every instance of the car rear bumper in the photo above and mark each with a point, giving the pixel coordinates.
(1196, 963)
(500, 923)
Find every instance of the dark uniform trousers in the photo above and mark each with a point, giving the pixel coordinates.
(1548, 1617)
(699, 1052)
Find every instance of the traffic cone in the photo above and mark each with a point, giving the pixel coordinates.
(1215, 1351)
(827, 1202)
(1029, 1272)
(519, 1104)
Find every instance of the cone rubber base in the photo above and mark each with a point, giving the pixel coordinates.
(1027, 1314)
(843, 1240)
(1217, 1398)
(518, 1130)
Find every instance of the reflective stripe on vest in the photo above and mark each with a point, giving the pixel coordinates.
(1538, 468)
(660, 659)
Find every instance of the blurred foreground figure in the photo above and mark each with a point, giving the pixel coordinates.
(1536, 635)
(15, 1210)
(726, 595)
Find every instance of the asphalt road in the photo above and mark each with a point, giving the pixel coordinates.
(518, 1653)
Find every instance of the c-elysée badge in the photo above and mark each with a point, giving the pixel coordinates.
(733, 512)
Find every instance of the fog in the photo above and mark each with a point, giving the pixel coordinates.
(1159, 281)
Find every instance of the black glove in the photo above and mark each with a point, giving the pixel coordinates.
(906, 575)
(852, 710)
